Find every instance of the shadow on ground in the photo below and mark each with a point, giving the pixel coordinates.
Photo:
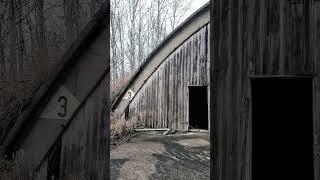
(116, 166)
(182, 162)
(185, 156)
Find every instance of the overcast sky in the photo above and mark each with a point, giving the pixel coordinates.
(195, 5)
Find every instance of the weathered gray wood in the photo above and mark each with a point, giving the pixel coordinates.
(252, 38)
(316, 85)
(193, 24)
(162, 101)
(85, 148)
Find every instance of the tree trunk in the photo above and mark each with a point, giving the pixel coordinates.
(21, 45)
(122, 49)
(2, 60)
(94, 4)
(12, 43)
(34, 58)
(113, 42)
(76, 16)
(72, 24)
(132, 38)
(42, 42)
(68, 21)
(140, 48)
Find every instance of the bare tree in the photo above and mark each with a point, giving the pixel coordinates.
(33, 54)
(118, 40)
(133, 13)
(12, 41)
(42, 40)
(113, 42)
(2, 44)
(140, 36)
(137, 27)
(72, 13)
(121, 52)
(30, 31)
(21, 43)
(177, 11)
(159, 22)
(94, 5)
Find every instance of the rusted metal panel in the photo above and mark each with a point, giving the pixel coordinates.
(255, 38)
(163, 99)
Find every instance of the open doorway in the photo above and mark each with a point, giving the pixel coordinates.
(198, 107)
(282, 129)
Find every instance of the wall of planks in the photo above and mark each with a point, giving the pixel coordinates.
(163, 99)
(256, 38)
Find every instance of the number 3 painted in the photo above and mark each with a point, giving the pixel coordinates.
(63, 105)
(129, 93)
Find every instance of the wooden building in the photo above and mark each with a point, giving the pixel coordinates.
(265, 64)
(61, 131)
(170, 89)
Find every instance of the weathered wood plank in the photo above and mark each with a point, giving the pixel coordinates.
(81, 156)
(166, 99)
(316, 86)
(262, 38)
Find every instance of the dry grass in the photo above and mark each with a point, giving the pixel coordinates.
(18, 95)
(119, 84)
(13, 169)
(120, 127)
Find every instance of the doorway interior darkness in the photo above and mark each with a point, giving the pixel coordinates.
(282, 129)
(198, 107)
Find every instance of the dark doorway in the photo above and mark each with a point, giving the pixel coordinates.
(198, 107)
(282, 129)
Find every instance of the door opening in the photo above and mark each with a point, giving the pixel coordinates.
(282, 129)
(198, 107)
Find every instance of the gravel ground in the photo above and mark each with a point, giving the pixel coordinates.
(152, 156)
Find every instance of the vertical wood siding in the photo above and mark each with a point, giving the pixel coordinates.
(163, 100)
(81, 155)
(260, 38)
(315, 47)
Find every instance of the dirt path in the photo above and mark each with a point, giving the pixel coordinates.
(180, 156)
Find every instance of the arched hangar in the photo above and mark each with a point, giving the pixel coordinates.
(171, 88)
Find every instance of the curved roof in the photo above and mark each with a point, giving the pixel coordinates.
(190, 26)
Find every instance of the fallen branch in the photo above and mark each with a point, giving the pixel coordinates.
(151, 129)
(167, 131)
